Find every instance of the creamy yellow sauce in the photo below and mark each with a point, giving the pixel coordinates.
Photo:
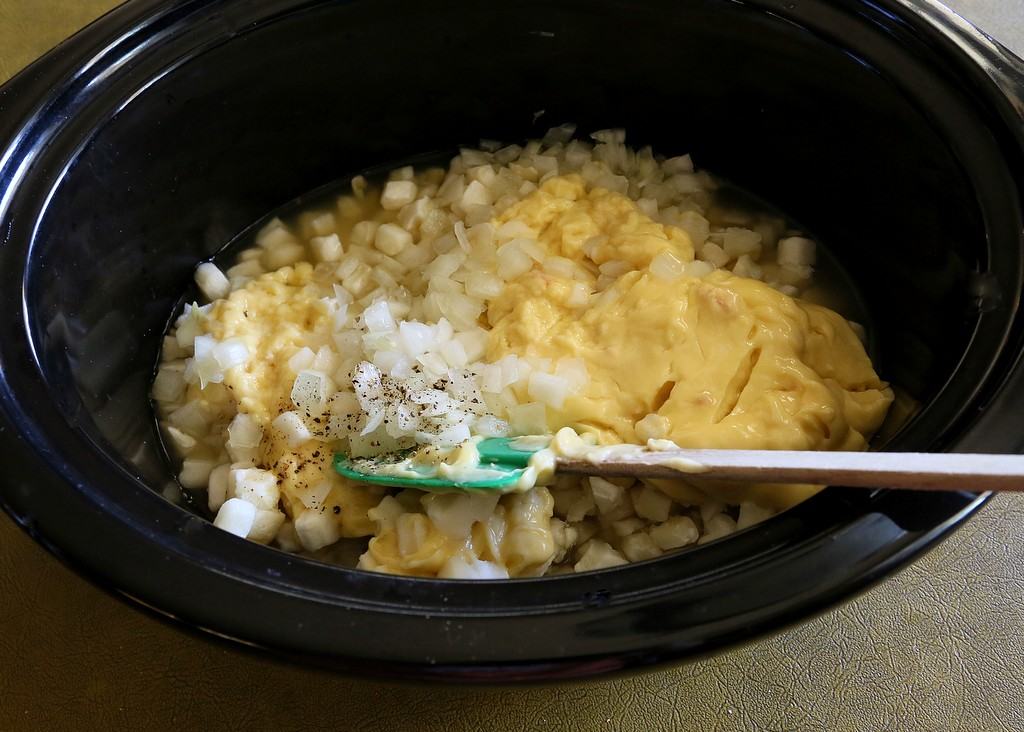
(274, 315)
(728, 362)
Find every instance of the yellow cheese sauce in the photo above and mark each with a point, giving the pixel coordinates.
(274, 314)
(725, 361)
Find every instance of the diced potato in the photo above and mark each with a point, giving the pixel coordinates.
(398, 193)
(651, 504)
(236, 517)
(678, 531)
(317, 529)
(326, 248)
(719, 526)
(598, 555)
(639, 546)
(195, 473)
(392, 239)
(796, 251)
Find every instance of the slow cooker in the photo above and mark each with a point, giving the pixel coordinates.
(892, 129)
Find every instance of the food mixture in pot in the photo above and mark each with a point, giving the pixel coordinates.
(520, 291)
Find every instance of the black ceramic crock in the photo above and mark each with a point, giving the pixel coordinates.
(892, 129)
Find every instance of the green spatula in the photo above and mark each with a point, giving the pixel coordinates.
(497, 455)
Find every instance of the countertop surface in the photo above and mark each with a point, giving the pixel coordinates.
(937, 647)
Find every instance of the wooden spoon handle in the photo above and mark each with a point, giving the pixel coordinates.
(917, 470)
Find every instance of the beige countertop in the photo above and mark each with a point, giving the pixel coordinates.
(937, 647)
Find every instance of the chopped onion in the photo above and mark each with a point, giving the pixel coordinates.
(317, 529)
(738, 242)
(454, 514)
(415, 338)
(236, 517)
(460, 235)
(212, 281)
(258, 487)
(667, 266)
(476, 194)
(454, 435)
(391, 239)
(607, 495)
(561, 134)
(560, 267)
(698, 268)
(444, 266)
(609, 136)
(483, 285)
(528, 419)
(514, 229)
(230, 353)
(552, 390)
(796, 251)
(294, 430)
(454, 354)
(265, 526)
(310, 390)
(471, 569)
(217, 491)
(183, 442)
(489, 426)
(714, 254)
(513, 262)
(397, 193)
(573, 371)
(190, 418)
(680, 164)
(746, 267)
(313, 497)
(195, 473)
(169, 384)
(378, 318)
(244, 431)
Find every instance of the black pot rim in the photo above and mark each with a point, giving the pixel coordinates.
(201, 576)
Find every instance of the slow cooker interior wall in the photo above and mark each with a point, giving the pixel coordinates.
(249, 125)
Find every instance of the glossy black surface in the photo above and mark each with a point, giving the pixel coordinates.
(151, 138)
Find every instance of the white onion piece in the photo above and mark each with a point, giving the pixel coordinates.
(378, 318)
(313, 497)
(471, 569)
(258, 487)
(574, 371)
(513, 262)
(461, 236)
(455, 513)
(195, 474)
(397, 193)
(490, 426)
(552, 390)
(217, 491)
(317, 529)
(292, 428)
(244, 431)
(415, 338)
(230, 353)
(211, 281)
(667, 266)
(528, 419)
(301, 359)
(236, 517)
(265, 526)
(392, 239)
(169, 384)
(796, 251)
